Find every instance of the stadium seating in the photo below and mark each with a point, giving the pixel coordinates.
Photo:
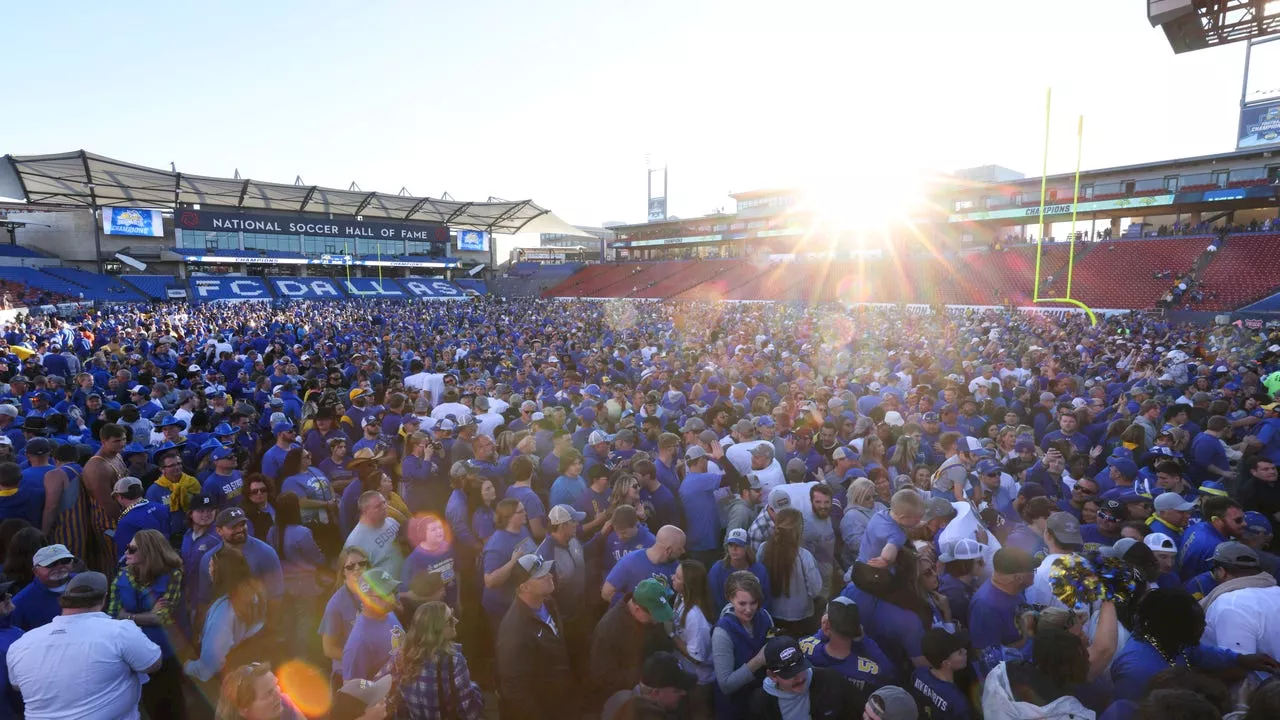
(722, 278)
(533, 279)
(306, 288)
(43, 288)
(106, 288)
(18, 251)
(467, 283)
(153, 286)
(1245, 268)
(205, 288)
(1118, 274)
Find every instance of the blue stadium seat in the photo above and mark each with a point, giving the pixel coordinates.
(306, 288)
(153, 286)
(227, 287)
(96, 287)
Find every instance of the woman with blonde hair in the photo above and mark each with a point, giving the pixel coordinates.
(251, 692)
(860, 505)
(148, 591)
(904, 454)
(430, 677)
(343, 606)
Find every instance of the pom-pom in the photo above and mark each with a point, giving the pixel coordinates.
(1078, 582)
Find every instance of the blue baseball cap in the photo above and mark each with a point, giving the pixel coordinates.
(930, 417)
(133, 448)
(1127, 467)
(221, 452)
(1255, 523)
(988, 467)
(281, 427)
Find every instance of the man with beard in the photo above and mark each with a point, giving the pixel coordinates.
(37, 603)
(820, 536)
(233, 529)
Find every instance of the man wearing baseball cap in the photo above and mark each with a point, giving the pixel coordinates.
(82, 664)
(1170, 516)
(273, 459)
(1062, 536)
(625, 634)
(232, 527)
(1106, 531)
(534, 677)
(846, 649)
(37, 603)
(136, 513)
(891, 703)
(662, 688)
(361, 699)
(1242, 611)
(794, 688)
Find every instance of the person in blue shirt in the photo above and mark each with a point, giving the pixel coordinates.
(1106, 531)
(19, 499)
(1208, 454)
(702, 513)
(273, 459)
(377, 634)
(895, 629)
(843, 646)
(935, 687)
(10, 698)
(509, 542)
(666, 508)
(1168, 625)
(37, 603)
(570, 485)
(962, 573)
(264, 563)
(521, 489)
(137, 513)
(1223, 521)
(994, 607)
(738, 555)
(658, 561)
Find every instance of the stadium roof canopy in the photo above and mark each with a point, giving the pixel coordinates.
(84, 179)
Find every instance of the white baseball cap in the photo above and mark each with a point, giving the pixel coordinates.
(1159, 542)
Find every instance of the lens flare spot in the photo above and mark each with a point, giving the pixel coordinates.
(306, 685)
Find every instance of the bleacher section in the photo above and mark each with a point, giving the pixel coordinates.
(1118, 274)
(18, 251)
(154, 287)
(1245, 268)
(531, 279)
(723, 278)
(205, 288)
(42, 282)
(106, 288)
(467, 283)
(306, 288)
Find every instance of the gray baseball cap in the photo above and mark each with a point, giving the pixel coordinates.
(1065, 527)
(1237, 556)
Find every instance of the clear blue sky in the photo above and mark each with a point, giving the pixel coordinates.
(561, 101)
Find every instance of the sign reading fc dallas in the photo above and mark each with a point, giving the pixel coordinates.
(239, 287)
(311, 225)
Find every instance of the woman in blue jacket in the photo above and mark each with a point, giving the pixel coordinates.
(737, 645)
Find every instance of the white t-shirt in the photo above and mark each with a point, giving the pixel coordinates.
(458, 410)
(740, 455)
(488, 422)
(82, 666)
(1246, 621)
(696, 633)
(427, 382)
(497, 405)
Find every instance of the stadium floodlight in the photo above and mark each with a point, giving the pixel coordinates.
(131, 262)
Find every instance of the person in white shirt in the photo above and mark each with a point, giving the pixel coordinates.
(84, 664)
(1062, 535)
(487, 421)
(1243, 612)
(425, 381)
(451, 406)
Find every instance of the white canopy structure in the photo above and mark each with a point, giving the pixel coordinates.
(84, 179)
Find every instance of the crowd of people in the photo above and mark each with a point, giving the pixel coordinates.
(550, 509)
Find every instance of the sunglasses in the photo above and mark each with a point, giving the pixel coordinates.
(258, 491)
(357, 565)
(128, 550)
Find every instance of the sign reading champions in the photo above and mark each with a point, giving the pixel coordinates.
(473, 240)
(310, 225)
(132, 221)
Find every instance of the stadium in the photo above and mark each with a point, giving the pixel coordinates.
(282, 451)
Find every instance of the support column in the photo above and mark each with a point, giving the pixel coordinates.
(1115, 227)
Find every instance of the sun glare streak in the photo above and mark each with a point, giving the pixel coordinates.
(306, 686)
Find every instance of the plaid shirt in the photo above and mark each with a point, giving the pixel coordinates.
(421, 695)
(172, 596)
(761, 529)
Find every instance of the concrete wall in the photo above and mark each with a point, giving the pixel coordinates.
(69, 235)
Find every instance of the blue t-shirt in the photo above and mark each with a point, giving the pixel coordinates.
(263, 561)
(634, 567)
(702, 515)
(533, 506)
(339, 617)
(666, 510)
(1137, 662)
(593, 503)
(370, 646)
(881, 530)
(1198, 544)
(896, 630)
(615, 548)
(866, 666)
(273, 459)
(36, 605)
(1207, 451)
(497, 552)
(940, 699)
(565, 490)
(991, 617)
(25, 502)
(224, 489)
(143, 515)
(1093, 536)
(421, 561)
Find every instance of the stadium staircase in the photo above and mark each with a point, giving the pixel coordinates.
(154, 287)
(1245, 269)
